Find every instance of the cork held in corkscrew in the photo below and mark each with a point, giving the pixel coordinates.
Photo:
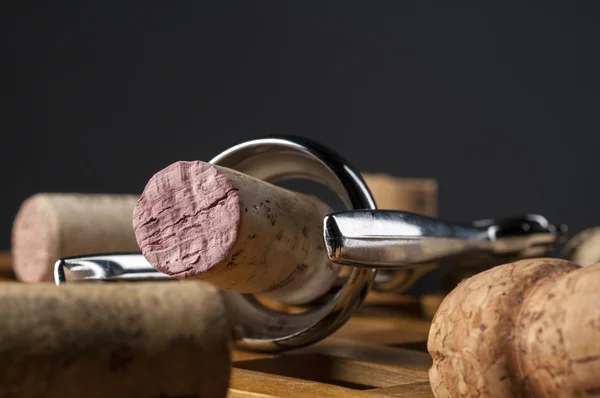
(226, 222)
(197, 220)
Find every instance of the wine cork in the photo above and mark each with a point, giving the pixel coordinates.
(50, 226)
(415, 195)
(159, 339)
(584, 248)
(196, 220)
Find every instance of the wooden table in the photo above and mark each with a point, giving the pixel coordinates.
(380, 352)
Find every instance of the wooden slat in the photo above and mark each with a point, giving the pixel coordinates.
(239, 356)
(371, 356)
(385, 330)
(370, 352)
(341, 371)
(6, 271)
(414, 390)
(249, 383)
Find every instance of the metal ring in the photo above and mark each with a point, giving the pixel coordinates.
(273, 159)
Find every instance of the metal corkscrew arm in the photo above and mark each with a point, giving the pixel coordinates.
(381, 239)
(392, 239)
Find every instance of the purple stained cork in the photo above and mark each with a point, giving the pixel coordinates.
(197, 220)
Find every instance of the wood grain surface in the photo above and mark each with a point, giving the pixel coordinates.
(379, 352)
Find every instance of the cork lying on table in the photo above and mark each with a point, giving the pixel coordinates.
(50, 226)
(584, 248)
(159, 339)
(525, 329)
(197, 220)
(557, 345)
(416, 195)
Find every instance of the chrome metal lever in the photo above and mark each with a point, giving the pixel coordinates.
(121, 267)
(383, 239)
(396, 239)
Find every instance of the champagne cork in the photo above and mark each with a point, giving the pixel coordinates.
(50, 226)
(474, 332)
(584, 248)
(556, 349)
(160, 339)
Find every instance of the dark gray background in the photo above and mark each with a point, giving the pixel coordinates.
(500, 104)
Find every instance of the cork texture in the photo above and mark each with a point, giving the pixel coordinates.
(473, 326)
(557, 344)
(168, 339)
(196, 220)
(50, 226)
(584, 248)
